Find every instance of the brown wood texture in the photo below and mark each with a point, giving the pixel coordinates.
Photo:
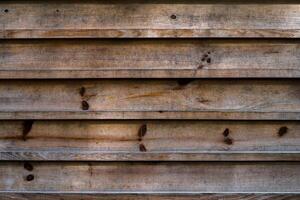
(161, 177)
(25, 196)
(74, 19)
(149, 58)
(150, 99)
(162, 140)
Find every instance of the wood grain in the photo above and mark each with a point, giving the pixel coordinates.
(180, 58)
(157, 177)
(163, 140)
(26, 196)
(60, 19)
(150, 99)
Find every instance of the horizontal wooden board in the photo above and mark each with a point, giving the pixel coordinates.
(150, 140)
(30, 196)
(180, 58)
(61, 19)
(161, 177)
(150, 99)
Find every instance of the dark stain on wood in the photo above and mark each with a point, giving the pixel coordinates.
(143, 148)
(28, 166)
(27, 126)
(85, 105)
(228, 141)
(282, 131)
(82, 91)
(184, 81)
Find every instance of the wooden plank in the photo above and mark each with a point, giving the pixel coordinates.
(161, 177)
(30, 196)
(150, 99)
(61, 19)
(150, 140)
(180, 58)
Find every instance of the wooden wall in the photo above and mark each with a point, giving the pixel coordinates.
(152, 100)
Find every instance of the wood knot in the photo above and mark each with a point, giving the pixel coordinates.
(226, 132)
(85, 105)
(142, 148)
(27, 126)
(282, 131)
(227, 139)
(173, 16)
(142, 131)
(28, 166)
(30, 177)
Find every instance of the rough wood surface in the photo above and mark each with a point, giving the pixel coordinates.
(61, 19)
(149, 58)
(160, 177)
(162, 140)
(25, 196)
(150, 99)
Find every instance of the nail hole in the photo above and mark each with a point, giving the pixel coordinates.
(173, 16)
(28, 166)
(208, 52)
(84, 105)
(208, 60)
(30, 177)
(57, 10)
(6, 10)
(282, 131)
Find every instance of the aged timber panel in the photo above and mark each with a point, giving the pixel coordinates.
(59, 196)
(149, 58)
(150, 140)
(161, 177)
(150, 99)
(35, 19)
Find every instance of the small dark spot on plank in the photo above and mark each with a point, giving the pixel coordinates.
(143, 148)
(173, 16)
(27, 126)
(228, 141)
(208, 60)
(142, 131)
(160, 111)
(82, 91)
(57, 10)
(28, 166)
(30, 177)
(85, 105)
(282, 131)
(226, 132)
(6, 10)
(200, 66)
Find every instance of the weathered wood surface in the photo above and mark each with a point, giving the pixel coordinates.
(150, 99)
(61, 19)
(150, 140)
(26, 196)
(149, 58)
(138, 177)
